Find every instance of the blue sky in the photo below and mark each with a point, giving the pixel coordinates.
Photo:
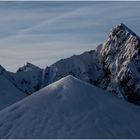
(44, 32)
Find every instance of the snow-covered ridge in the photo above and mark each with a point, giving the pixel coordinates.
(85, 67)
(70, 108)
(114, 66)
(28, 67)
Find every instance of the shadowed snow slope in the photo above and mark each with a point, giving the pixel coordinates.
(9, 94)
(70, 108)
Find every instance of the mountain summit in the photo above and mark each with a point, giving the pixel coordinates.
(28, 67)
(121, 29)
(121, 63)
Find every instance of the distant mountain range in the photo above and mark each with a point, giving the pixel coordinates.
(113, 66)
(83, 96)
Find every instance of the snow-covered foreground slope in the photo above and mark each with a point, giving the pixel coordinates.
(70, 108)
(9, 94)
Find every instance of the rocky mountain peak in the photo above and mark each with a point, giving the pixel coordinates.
(121, 62)
(122, 30)
(28, 67)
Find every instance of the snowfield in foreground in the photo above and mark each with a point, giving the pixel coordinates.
(70, 108)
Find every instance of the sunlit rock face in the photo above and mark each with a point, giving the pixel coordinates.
(121, 63)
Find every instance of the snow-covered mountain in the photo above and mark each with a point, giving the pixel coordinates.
(70, 108)
(9, 94)
(27, 78)
(121, 63)
(114, 66)
(28, 67)
(16, 86)
(64, 106)
(85, 67)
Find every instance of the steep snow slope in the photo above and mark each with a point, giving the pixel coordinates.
(70, 108)
(16, 86)
(9, 94)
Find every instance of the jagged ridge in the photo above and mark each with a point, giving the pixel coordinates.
(114, 66)
(121, 63)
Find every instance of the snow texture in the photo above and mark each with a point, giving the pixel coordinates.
(9, 94)
(70, 108)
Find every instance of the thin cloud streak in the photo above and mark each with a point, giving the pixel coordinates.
(44, 32)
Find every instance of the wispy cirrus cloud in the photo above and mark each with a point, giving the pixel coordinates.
(43, 32)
